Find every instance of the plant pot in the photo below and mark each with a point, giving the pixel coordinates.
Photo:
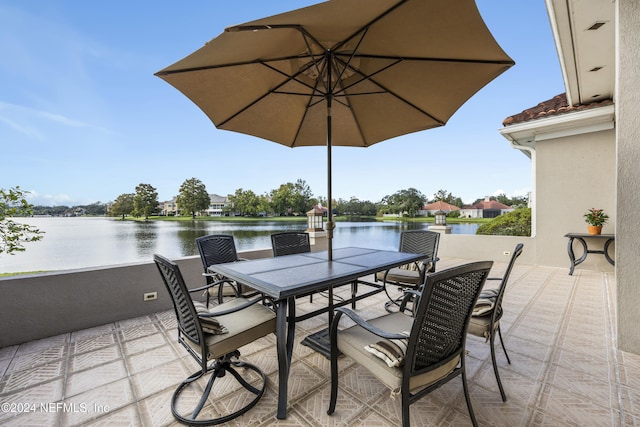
(594, 229)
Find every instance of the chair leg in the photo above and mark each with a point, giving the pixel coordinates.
(467, 397)
(354, 292)
(503, 347)
(406, 401)
(495, 365)
(393, 304)
(334, 363)
(218, 369)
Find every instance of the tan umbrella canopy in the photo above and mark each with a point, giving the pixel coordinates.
(342, 72)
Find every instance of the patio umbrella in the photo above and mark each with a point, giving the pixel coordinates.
(342, 72)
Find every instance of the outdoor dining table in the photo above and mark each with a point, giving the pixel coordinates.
(286, 277)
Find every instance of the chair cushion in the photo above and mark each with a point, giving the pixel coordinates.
(390, 351)
(480, 324)
(483, 306)
(244, 326)
(210, 325)
(401, 275)
(227, 290)
(486, 302)
(352, 342)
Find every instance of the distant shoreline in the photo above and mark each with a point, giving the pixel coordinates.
(304, 219)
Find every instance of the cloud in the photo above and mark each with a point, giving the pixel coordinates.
(17, 117)
(28, 131)
(38, 199)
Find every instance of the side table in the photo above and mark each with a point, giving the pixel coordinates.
(580, 237)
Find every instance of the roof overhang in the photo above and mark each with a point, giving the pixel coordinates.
(584, 32)
(524, 135)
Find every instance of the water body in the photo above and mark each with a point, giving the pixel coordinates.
(71, 243)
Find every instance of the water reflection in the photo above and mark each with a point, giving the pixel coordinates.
(146, 237)
(91, 242)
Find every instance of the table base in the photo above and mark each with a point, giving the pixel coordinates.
(320, 342)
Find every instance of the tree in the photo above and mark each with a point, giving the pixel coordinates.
(123, 205)
(246, 202)
(406, 202)
(290, 198)
(193, 197)
(13, 234)
(356, 207)
(445, 196)
(303, 197)
(515, 223)
(145, 201)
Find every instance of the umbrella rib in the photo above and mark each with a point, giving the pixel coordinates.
(370, 78)
(368, 24)
(275, 90)
(432, 59)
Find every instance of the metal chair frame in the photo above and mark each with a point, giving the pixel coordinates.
(438, 332)
(297, 242)
(496, 315)
(419, 242)
(218, 249)
(191, 334)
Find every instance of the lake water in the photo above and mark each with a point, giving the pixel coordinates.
(71, 243)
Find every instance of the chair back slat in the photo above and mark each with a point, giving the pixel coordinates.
(420, 242)
(182, 303)
(443, 314)
(290, 242)
(217, 249)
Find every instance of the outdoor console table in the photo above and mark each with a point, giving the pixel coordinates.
(609, 238)
(285, 277)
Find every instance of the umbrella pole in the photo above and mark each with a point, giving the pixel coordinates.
(330, 225)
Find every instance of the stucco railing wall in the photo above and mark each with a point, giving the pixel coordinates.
(477, 247)
(48, 304)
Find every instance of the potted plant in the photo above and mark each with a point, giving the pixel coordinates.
(595, 218)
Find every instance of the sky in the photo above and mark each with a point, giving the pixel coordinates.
(83, 119)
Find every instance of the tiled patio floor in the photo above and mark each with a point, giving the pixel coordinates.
(559, 331)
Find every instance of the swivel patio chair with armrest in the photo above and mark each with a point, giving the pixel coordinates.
(214, 336)
(411, 276)
(487, 313)
(414, 355)
(218, 249)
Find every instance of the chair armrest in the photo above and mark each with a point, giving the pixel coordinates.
(213, 312)
(363, 323)
(408, 295)
(210, 285)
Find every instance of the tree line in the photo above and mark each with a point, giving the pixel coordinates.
(291, 198)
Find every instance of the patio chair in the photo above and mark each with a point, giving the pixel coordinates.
(297, 242)
(410, 355)
(411, 276)
(215, 336)
(290, 242)
(487, 313)
(218, 249)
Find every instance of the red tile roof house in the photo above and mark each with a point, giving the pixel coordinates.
(432, 208)
(485, 209)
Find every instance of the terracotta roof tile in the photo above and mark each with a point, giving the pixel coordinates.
(553, 107)
(440, 206)
(491, 204)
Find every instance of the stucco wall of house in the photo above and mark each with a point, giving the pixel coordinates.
(628, 139)
(573, 173)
